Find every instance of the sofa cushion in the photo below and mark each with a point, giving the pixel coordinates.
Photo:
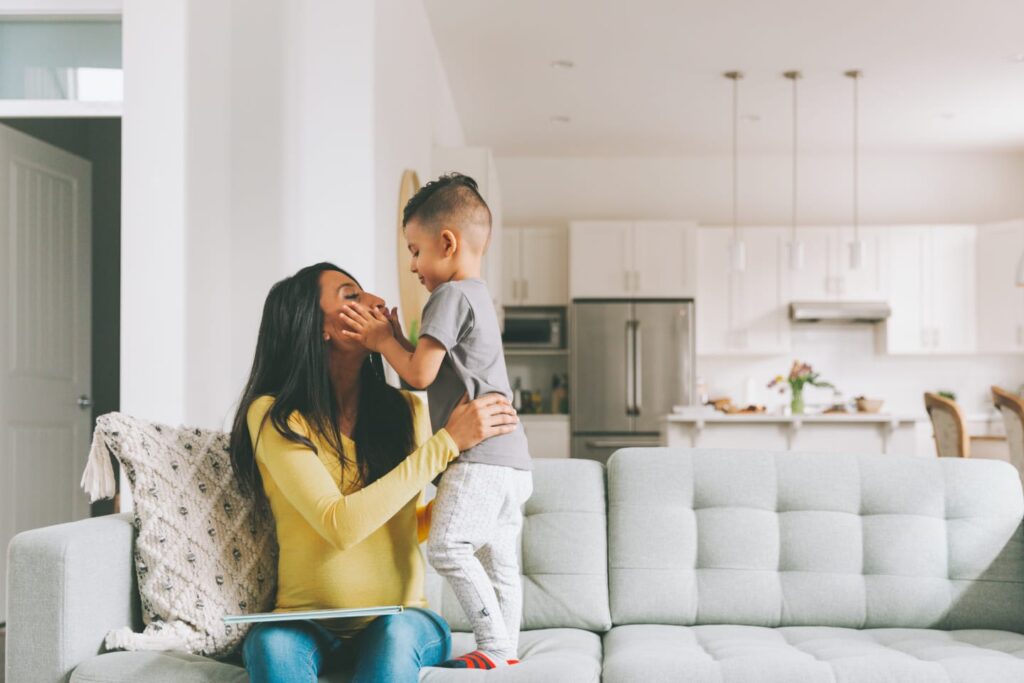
(564, 552)
(560, 655)
(752, 654)
(202, 549)
(548, 656)
(791, 539)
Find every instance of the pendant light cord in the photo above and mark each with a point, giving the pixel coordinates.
(793, 76)
(794, 155)
(855, 76)
(735, 154)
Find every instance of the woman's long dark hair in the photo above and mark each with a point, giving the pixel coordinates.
(291, 364)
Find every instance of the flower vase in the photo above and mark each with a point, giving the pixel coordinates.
(796, 403)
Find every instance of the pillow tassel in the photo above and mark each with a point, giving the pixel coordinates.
(98, 477)
(158, 636)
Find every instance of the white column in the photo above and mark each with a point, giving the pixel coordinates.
(248, 153)
(329, 129)
(153, 307)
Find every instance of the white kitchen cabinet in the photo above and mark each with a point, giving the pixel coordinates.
(478, 163)
(600, 259)
(632, 259)
(870, 281)
(827, 275)
(815, 281)
(536, 266)
(931, 283)
(664, 259)
(1000, 306)
(548, 436)
(905, 328)
(742, 312)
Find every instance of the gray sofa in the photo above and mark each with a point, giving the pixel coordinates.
(672, 565)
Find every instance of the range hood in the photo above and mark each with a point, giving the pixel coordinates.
(838, 311)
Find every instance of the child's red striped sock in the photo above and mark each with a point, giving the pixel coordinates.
(476, 660)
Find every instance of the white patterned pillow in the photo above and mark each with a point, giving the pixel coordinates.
(202, 548)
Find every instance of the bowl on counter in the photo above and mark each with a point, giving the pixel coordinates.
(868, 405)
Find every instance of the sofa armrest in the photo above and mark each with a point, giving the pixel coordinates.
(68, 585)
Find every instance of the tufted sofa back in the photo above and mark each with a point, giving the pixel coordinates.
(564, 552)
(787, 539)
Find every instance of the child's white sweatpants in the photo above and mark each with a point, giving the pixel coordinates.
(474, 541)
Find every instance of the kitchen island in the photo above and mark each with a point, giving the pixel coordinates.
(819, 433)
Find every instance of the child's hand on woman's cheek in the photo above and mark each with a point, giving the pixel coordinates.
(396, 322)
(369, 327)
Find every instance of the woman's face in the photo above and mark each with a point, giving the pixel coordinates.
(337, 289)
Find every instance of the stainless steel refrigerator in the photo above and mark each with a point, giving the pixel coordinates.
(630, 362)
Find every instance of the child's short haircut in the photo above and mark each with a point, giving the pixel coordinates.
(454, 199)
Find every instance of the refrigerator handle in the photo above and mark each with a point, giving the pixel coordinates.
(638, 369)
(686, 344)
(629, 367)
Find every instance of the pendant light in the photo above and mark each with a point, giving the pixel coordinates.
(857, 246)
(796, 247)
(737, 250)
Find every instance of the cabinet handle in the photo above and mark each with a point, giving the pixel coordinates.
(935, 337)
(1020, 335)
(636, 280)
(526, 290)
(515, 290)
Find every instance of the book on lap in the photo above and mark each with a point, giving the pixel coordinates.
(312, 614)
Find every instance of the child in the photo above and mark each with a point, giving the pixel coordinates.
(478, 514)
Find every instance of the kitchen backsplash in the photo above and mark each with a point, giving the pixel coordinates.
(845, 355)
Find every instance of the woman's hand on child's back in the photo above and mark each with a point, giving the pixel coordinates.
(473, 421)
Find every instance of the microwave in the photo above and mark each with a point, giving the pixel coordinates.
(534, 328)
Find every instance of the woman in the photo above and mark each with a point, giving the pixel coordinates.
(348, 519)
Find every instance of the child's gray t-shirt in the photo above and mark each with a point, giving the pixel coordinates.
(460, 315)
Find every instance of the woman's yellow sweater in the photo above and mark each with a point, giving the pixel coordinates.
(343, 544)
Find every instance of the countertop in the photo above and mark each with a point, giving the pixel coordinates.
(856, 418)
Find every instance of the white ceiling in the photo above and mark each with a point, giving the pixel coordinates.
(938, 74)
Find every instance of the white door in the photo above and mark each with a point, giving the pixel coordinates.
(45, 320)
(664, 260)
(952, 288)
(510, 266)
(544, 264)
(600, 260)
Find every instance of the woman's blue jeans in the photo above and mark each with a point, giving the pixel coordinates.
(392, 649)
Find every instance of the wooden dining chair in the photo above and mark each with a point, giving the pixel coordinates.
(949, 426)
(1011, 406)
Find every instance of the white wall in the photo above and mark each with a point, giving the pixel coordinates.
(846, 356)
(921, 188)
(254, 137)
(415, 112)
